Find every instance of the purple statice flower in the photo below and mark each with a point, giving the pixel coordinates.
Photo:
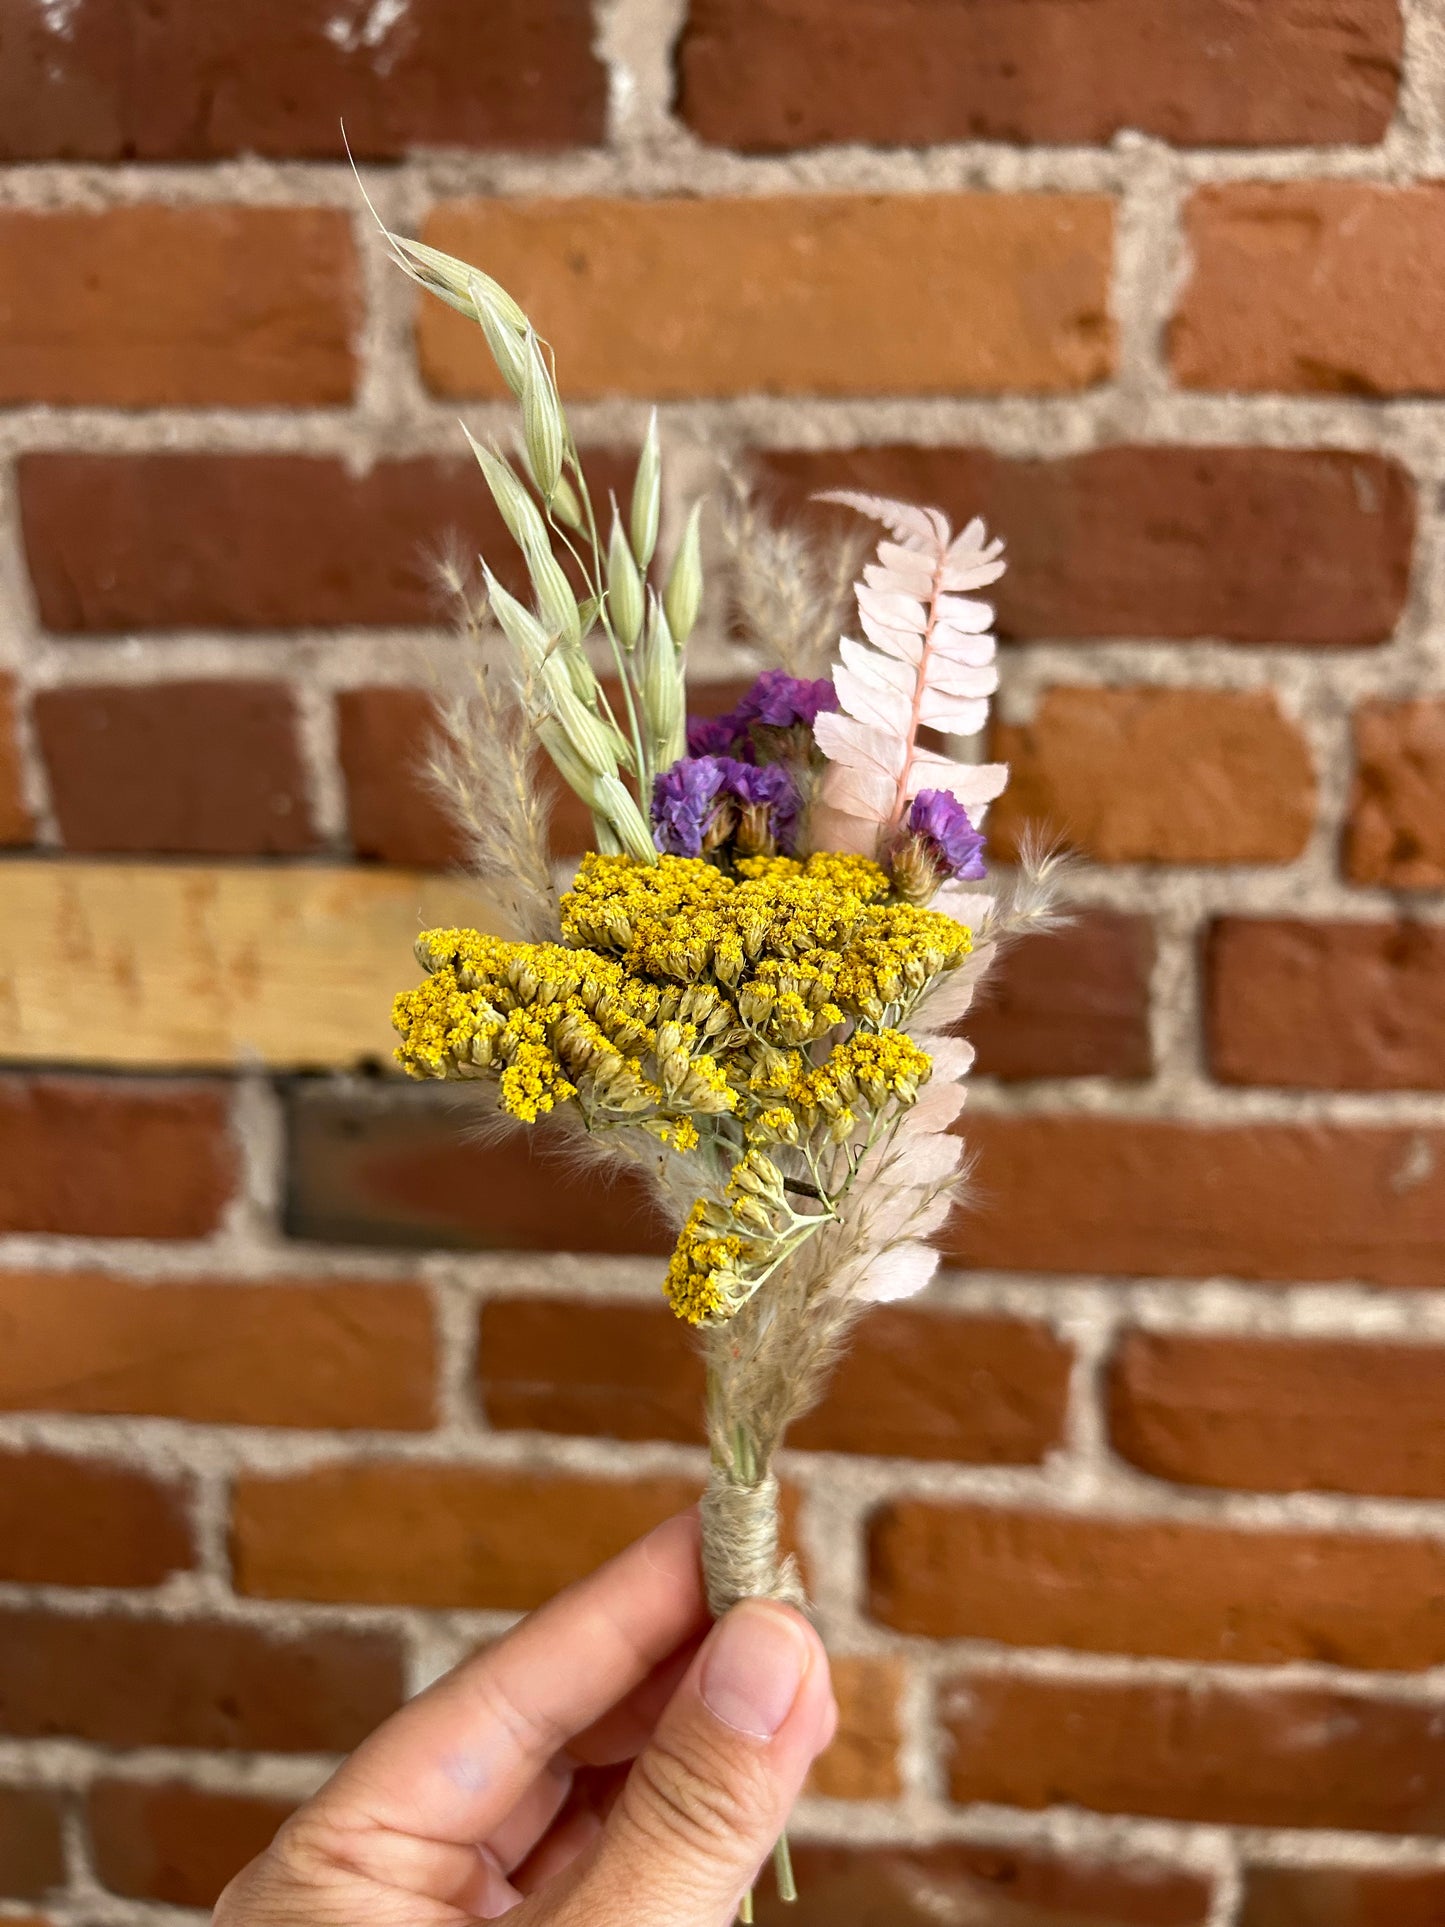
(767, 807)
(779, 701)
(684, 803)
(941, 822)
(712, 735)
(702, 801)
(775, 701)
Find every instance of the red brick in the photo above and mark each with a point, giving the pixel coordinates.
(1327, 1006)
(1396, 829)
(175, 1843)
(384, 736)
(1072, 1003)
(166, 81)
(436, 1535)
(1159, 1197)
(862, 1762)
(1175, 1589)
(32, 1847)
(1343, 1897)
(916, 1384)
(1312, 287)
(147, 306)
(1280, 1414)
(826, 294)
(1199, 1750)
(255, 541)
(188, 768)
(961, 1883)
(332, 1355)
(102, 1158)
(804, 73)
(78, 1522)
(16, 824)
(397, 1167)
(126, 1682)
(1158, 776)
(1248, 545)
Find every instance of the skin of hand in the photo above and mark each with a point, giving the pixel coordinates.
(609, 1763)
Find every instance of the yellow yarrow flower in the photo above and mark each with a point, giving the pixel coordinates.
(682, 993)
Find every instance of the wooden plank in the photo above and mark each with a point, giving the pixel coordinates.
(211, 965)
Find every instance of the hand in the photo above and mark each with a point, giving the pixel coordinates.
(604, 1765)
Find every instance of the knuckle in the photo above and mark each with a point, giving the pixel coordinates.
(710, 1801)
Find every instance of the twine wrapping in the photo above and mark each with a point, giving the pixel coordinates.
(740, 1545)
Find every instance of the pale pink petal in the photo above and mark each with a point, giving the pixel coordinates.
(953, 715)
(900, 1273)
(964, 612)
(864, 793)
(872, 702)
(914, 527)
(847, 739)
(840, 829)
(893, 610)
(972, 783)
(905, 644)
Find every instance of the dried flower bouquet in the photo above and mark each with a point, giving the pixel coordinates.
(752, 989)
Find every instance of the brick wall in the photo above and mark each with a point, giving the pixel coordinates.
(1131, 1540)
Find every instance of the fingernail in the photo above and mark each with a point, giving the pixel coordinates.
(753, 1668)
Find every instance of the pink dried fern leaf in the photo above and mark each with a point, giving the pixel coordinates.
(927, 662)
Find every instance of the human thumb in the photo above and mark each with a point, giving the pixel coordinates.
(707, 1800)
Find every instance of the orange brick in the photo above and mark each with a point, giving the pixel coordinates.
(960, 1884)
(32, 1846)
(1396, 830)
(15, 821)
(168, 80)
(1199, 1750)
(112, 1158)
(176, 1843)
(79, 1522)
(119, 1681)
(148, 306)
(1147, 541)
(192, 768)
(827, 294)
(799, 73)
(335, 1354)
(1143, 1196)
(1315, 1005)
(1162, 1587)
(631, 1371)
(1343, 1897)
(1316, 287)
(385, 737)
(1280, 1414)
(862, 1762)
(1069, 1003)
(1158, 776)
(437, 1535)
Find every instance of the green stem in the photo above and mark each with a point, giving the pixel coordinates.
(783, 1870)
(618, 654)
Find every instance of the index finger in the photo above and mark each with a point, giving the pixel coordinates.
(451, 1764)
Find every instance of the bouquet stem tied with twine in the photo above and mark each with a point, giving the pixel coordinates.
(751, 991)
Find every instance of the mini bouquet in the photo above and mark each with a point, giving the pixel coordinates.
(752, 988)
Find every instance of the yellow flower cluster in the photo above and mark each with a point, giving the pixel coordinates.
(722, 1248)
(703, 1281)
(681, 992)
(800, 947)
(552, 1023)
(875, 1067)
